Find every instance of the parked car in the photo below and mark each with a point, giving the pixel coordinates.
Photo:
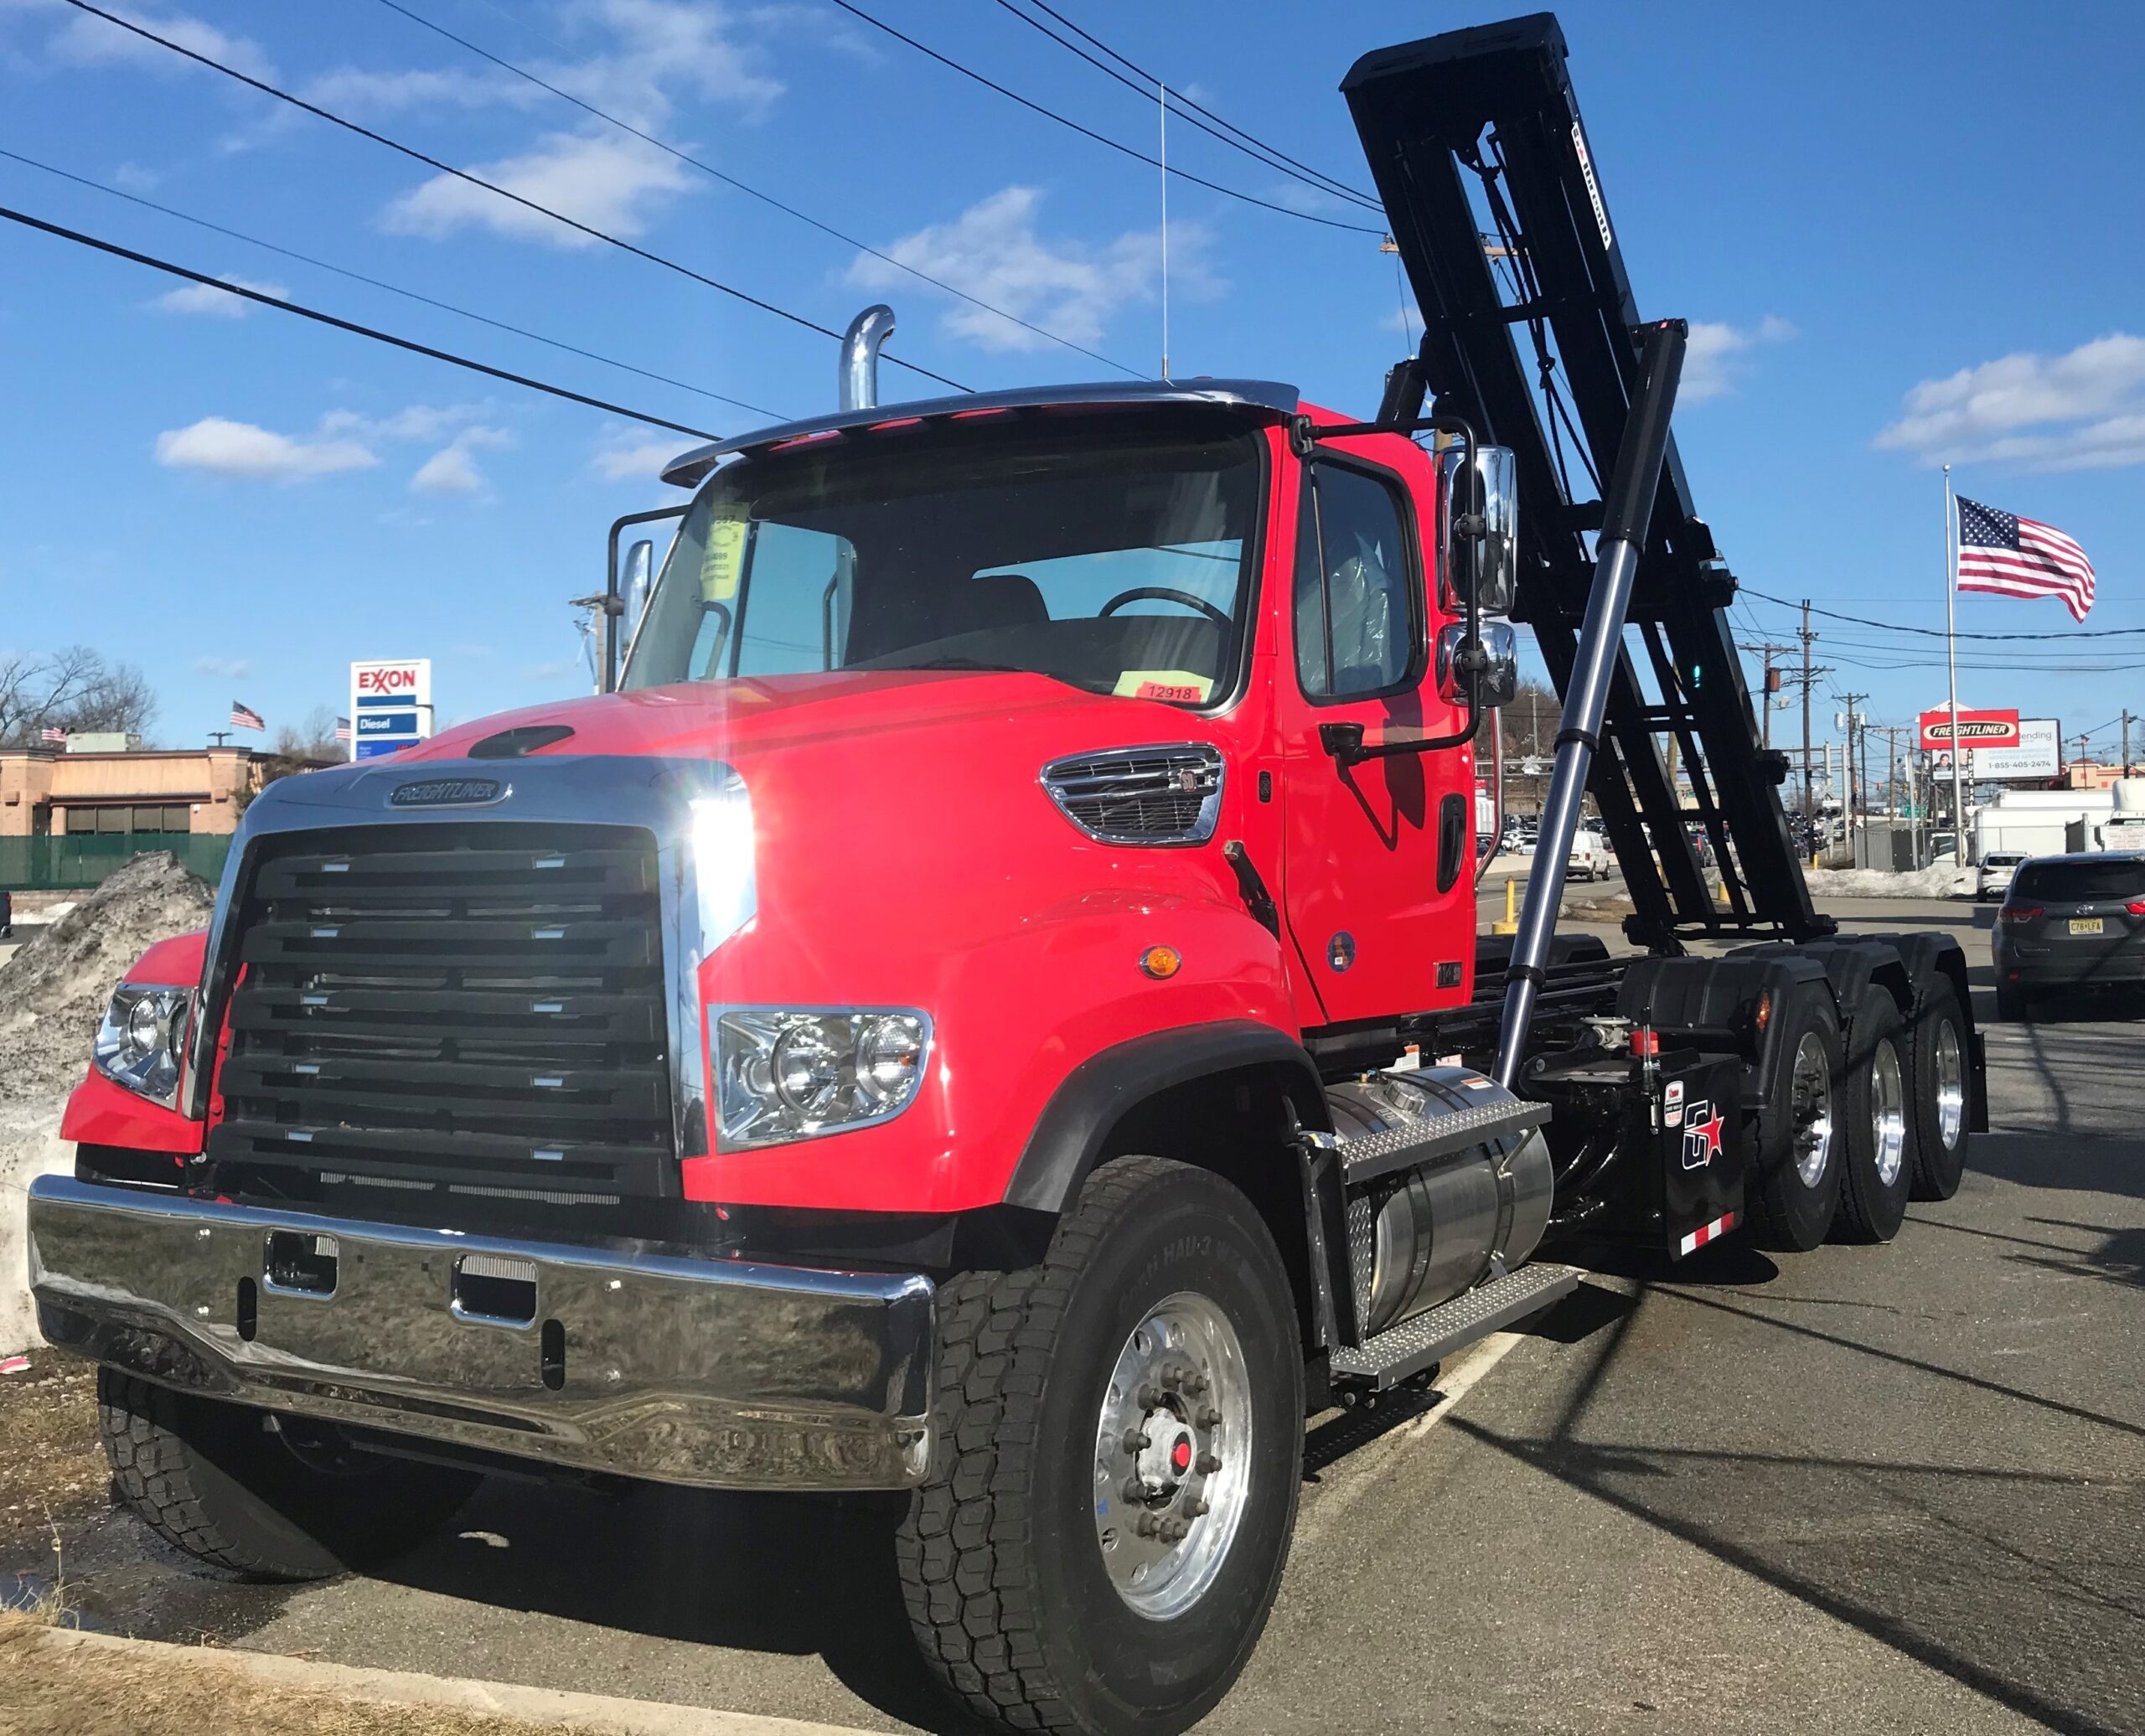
(1997, 868)
(7, 914)
(2069, 923)
(1589, 856)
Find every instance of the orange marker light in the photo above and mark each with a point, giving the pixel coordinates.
(1161, 962)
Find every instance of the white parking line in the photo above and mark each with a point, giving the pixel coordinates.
(1356, 1474)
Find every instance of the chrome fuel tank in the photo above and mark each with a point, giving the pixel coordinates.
(1420, 1236)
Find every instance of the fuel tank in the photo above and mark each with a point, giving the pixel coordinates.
(1421, 1237)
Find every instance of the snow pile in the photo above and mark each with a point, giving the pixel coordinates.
(1943, 880)
(52, 994)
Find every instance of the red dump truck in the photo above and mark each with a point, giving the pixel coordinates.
(990, 1004)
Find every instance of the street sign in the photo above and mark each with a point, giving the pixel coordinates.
(1976, 729)
(390, 705)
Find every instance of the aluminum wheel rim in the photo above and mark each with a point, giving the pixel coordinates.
(1951, 1086)
(1172, 1460)
(1812, 1085)
(1888, 1113)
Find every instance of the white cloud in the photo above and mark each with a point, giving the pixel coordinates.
(993, 252)
(82, 40)
(205, 299)
(1407, 317)
(415, 422)
(638, 462)
(615, 185)
(350, 91)
(1715, 360)
(234, 669)
(224, 447)
(656, 43)
(2087, 404)
(453, 469)
(132, 178)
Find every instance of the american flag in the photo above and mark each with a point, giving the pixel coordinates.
(2012, 556)
(342, 729)
(244, 717)
(55, 738)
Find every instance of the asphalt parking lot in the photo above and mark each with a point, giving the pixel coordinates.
(1861, 1490)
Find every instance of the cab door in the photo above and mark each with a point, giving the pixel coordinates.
(1378, 886)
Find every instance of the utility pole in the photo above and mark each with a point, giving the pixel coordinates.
(2125, 745)
(1810, 672)
(1847, 774)
(1771, 685)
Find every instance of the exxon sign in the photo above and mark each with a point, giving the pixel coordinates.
(1976, 729)
(390, 705)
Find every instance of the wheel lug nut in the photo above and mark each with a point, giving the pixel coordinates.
(1197, 1509)
(1147, 1525)
(1207, 1465)
(1149, 1397)
(1135, 1442)
(1209, 1417)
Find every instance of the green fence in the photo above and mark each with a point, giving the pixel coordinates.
(75, 861)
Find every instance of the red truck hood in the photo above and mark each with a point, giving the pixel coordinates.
(712, 719)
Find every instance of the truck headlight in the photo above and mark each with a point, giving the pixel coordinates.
(141, 1041)
(786, 1075)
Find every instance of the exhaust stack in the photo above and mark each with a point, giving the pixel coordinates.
(859, 356)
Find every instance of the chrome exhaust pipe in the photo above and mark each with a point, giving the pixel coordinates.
(859, 356)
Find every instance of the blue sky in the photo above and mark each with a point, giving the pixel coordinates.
(1908, 233)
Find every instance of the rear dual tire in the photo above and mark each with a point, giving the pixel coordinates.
(1877, 1124)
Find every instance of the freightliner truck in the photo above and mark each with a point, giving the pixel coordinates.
(988, 1007)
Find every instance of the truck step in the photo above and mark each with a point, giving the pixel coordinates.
(1415, 1344)
(1420, 1142)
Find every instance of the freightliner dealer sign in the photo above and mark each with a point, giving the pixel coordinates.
(390, 705)
(1976, 729)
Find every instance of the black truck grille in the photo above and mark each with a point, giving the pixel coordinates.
(473, 1008)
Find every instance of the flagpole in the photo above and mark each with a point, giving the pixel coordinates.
(1952, 664)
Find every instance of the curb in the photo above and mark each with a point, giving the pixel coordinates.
(593, 1713)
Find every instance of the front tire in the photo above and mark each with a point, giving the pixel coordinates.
(1794, 1190)
(289, 1502)
(1119, 1445)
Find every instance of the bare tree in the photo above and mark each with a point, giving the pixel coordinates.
(72, 689)
(303, 746)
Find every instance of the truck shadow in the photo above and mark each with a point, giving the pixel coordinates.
(787, 1575)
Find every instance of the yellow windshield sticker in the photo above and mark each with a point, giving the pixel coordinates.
(723, 564)
(1179, 687)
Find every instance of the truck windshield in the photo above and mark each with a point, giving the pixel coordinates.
(1121, 568)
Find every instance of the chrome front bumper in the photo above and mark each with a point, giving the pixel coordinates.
(723, 1374)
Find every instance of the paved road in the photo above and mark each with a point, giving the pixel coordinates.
(1861, 1490)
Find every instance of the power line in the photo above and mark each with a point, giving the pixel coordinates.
(767, 198)
(1262, 154)
(378, 336)
(1937, 632)
(307, 259)
(474, 180)
(1034, 107)
(1339, 187)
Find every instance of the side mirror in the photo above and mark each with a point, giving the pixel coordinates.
(1483, 546)
(1499, 646)
(639, 574)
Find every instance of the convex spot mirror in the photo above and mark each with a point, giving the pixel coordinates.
(1482, 495)
(1500, 679)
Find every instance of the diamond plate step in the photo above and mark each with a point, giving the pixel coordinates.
(1414, 1344)
(1419, 1142)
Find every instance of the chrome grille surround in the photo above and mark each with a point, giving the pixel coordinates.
(670, 800)
(1160, 795)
